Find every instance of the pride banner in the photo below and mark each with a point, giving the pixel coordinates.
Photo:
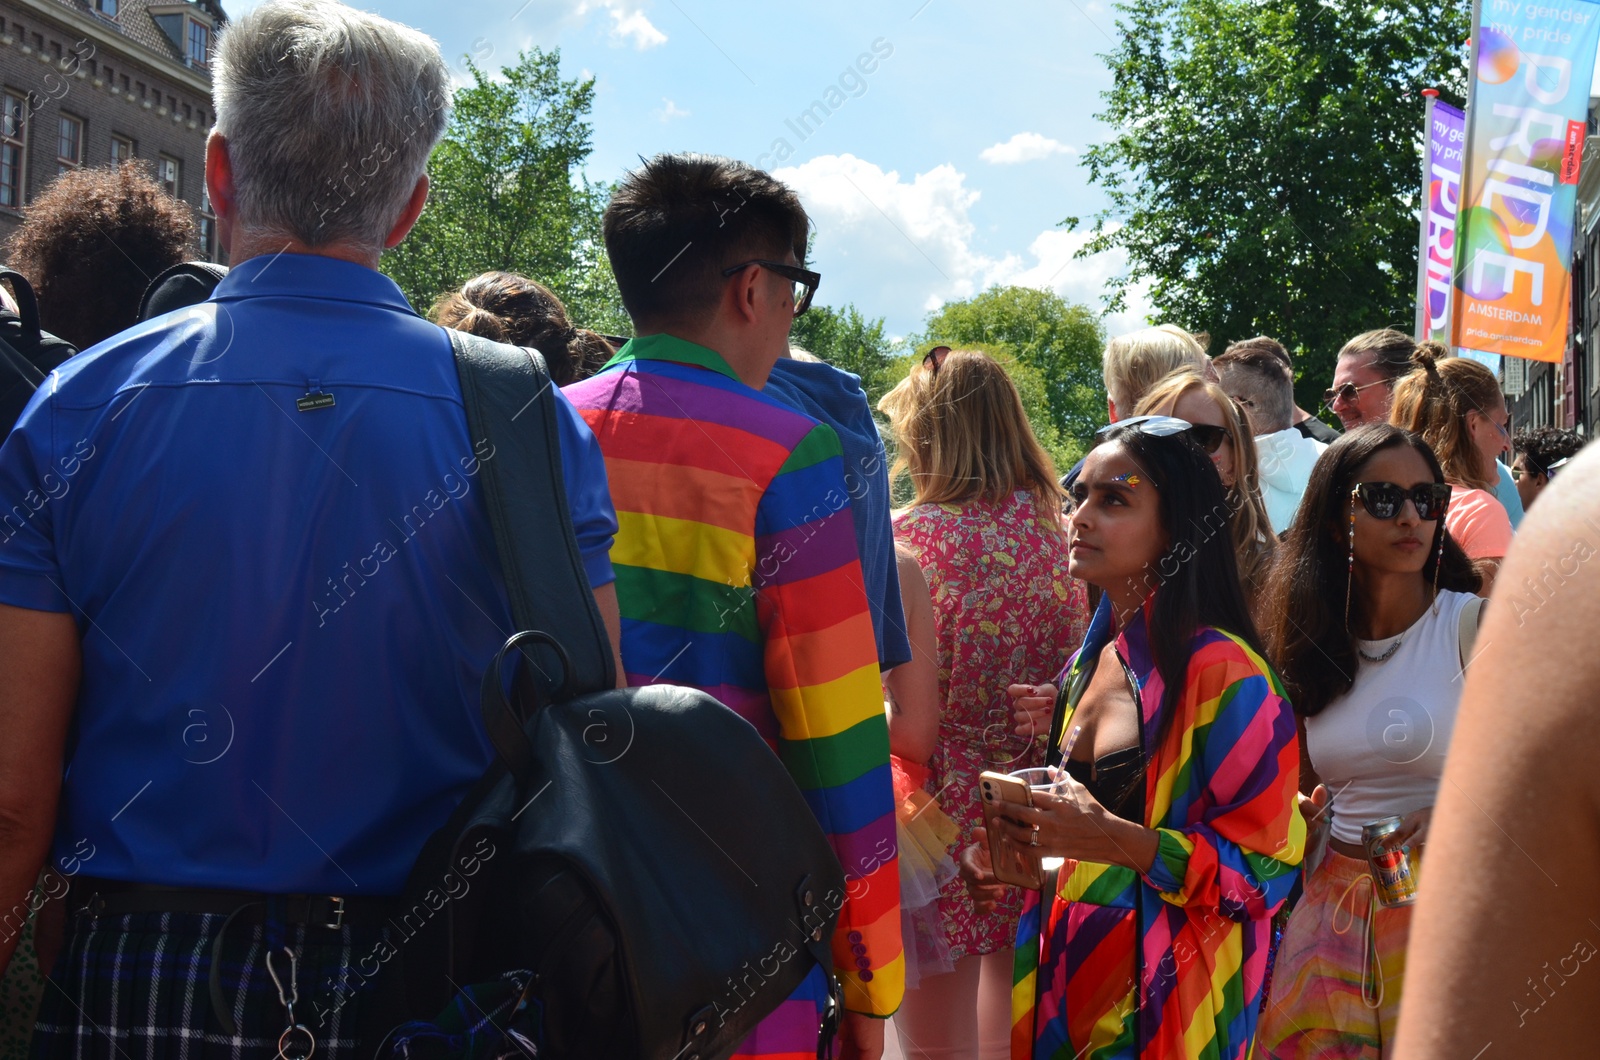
(1441, 197)
(1527, 118)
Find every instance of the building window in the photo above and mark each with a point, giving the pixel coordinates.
(199, 43)
(107, 8)
(167, 174)
(69, 144)
(121, 150)
(13, 148)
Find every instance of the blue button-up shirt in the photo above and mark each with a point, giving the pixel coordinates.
(285, 613)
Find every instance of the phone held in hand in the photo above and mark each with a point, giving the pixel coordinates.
(1015, 865)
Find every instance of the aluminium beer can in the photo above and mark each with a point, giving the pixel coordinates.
(1394, 869)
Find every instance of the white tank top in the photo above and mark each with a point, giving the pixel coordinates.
(1380, 747)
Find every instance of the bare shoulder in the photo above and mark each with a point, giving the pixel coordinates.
(1513, 855)
(1544, 609)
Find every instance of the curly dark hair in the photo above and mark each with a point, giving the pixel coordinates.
(506, 307)
(92, 241)
(1542, 446)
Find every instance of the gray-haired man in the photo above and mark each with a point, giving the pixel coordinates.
(244, 558)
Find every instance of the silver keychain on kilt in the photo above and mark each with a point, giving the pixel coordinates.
(295, 1036)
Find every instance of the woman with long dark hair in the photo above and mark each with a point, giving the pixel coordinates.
(1176, 814)
(1371, 602)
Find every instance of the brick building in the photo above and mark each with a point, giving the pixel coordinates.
(90, 82)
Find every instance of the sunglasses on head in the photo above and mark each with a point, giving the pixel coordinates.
(1205, 435)
(1383, 500)
(934, 358)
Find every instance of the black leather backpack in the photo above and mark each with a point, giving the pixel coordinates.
(27, 354)
(649, 881)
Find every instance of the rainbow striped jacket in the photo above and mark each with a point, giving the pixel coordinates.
(737, 573)
(1171, 964)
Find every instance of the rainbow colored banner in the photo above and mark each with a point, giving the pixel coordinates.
(1441, 194)
(1527, 116)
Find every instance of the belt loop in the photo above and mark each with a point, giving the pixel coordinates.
(219, 1006)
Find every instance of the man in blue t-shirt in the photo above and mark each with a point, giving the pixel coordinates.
(246, 562)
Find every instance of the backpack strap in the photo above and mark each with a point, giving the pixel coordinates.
(1467, 630)
(510, 404)
(184, 284)
(27, 307)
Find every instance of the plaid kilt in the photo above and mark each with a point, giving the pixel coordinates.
(136, 987)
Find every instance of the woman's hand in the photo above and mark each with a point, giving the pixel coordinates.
(1032, 706)
(1071, 823)
(1313, 806)
(977, 872)
(1413, 830)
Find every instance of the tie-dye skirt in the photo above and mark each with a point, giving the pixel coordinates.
(1336, 985)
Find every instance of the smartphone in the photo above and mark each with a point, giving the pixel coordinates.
(1012, 864)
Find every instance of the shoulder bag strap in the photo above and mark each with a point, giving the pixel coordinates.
(1467, 630)
(509, 403)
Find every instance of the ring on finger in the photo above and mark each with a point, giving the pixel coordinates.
(1035, 840)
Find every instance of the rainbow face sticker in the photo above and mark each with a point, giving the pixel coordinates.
(1131, 479)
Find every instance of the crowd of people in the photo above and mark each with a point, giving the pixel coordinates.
(1223, 647)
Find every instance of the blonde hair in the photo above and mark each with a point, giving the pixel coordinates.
(961, 433)
(1249, 525)
(1433, 401)
(1134, 363)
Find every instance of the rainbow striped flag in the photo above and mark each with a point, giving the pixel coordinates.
(737, 573)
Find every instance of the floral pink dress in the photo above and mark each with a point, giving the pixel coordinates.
(1006, 612)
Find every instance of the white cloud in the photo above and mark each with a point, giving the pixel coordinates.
(1024, 147)
(901, 248)
(670, 110)
(628, 22)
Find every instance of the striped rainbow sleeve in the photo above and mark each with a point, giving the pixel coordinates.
(822, 672)
(1237, 835)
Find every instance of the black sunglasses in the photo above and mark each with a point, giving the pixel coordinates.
(805, 281)
(1205, 435)
(934, 358)
(1383, 500)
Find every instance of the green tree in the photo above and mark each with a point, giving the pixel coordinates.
(1056, 339)
(847, 339)
(1264, 170)
(508, 193)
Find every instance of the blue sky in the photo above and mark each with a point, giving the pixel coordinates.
(943, 170)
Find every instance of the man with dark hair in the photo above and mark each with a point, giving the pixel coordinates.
(248, 587)
(1541, 452)
(736, 557)
(91, 242)
(1254, 377)
(1304, 422)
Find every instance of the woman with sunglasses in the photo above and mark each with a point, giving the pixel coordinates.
(985, 526)
(1371, 601)
(1456, 405)
(1221, 429)
(1176, 812)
